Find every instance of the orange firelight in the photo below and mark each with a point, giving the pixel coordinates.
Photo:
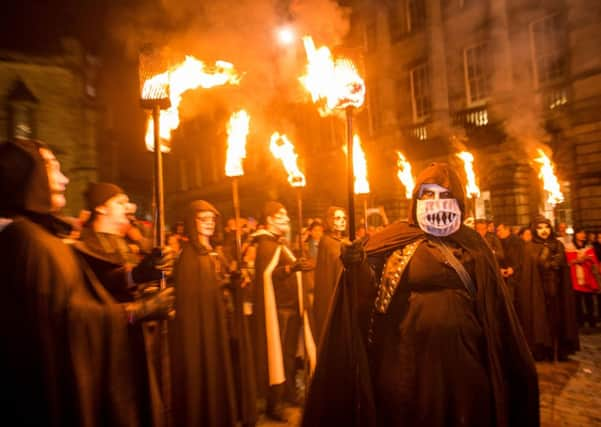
(359, 166)
(237, 131)
(333, 83)
(404, 174)
(550, 182)
(190, 74)
(282, 149)
(471, 187)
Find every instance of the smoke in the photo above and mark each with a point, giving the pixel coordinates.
(242, 32)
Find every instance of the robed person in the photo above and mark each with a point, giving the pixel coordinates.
(64, 338)
(203, 372)
(328, 266)
(544, 298)
(433, 339)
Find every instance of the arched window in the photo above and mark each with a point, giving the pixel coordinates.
(22, 107)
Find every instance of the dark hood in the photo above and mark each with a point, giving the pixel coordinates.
(189, 221)
(24, 186)
(540, 219)
(443, 175)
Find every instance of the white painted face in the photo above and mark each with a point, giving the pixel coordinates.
(279, 223)
(339, 221)
(205, 223)
(57, 182)
(543, 230)
(437, 212)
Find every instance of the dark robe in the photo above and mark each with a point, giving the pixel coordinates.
(203, 378)
(328, 269)
(111, 261)
(64, 340)
(513, 248)
(544, 300)
(431, 324)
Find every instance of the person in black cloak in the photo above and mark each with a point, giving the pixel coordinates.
(434, 321)
(124, 274)
(277, 311)
(64, 339)
(544, 299)
(203, 372)
(328, 266)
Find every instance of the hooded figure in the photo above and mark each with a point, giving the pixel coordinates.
(64, 339)
(203, 378)
(430, 306)
(328, 267)
(544, 299)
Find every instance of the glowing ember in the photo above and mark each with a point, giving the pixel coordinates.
(334, 84)
(468, 163)
(359, 166)
(404, 174)
(282, 149)
(190, 74)
(237, 131)
(550, 183)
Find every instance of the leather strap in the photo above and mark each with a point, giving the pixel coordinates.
(465, 277)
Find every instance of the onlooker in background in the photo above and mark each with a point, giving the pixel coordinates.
(312, 242)
(583, 266)
(562, 234)
(513, 250)
(481, 226)
(490, 227)
(525, 234)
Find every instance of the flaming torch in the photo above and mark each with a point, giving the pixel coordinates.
(404, 174)
(361, 186)
(471, 188)
(550, 182)
(283, 150)
(237, 131)
(335, 85)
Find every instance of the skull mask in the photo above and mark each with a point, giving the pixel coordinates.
(438, 213)
(339, 221)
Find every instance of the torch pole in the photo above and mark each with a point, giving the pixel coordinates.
(299, 204)
(165, 365)
(365, 211)
(474, 206)
(350, 178)
(236, 202)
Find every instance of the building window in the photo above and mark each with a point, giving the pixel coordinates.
(548, 56)
(420, 93)
(477, 75)
(416, 15)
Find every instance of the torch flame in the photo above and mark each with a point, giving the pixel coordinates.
(335, 84)
(359, 166)
(404, 174)
(190, 74)
(550, 183)
(237, 131)
(468, 163)
(282, 149)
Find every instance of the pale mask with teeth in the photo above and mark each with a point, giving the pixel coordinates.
(437, 212)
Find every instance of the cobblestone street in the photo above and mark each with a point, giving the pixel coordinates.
(570, 391)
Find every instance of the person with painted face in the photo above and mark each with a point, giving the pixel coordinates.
(64, 338)
(277, 311)
(328, 267)
(205, 380)
(544, 299)
(437, 342)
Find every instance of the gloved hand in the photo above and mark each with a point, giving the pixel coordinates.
(302, 264)
(156, 307)
(352, 253)
(153, 265)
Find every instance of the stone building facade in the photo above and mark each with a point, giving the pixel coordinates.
(499, 78)
(52, 97)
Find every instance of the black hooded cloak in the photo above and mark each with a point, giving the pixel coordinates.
(203, 378)
(439, 355)
(62, 360)
(544, 298)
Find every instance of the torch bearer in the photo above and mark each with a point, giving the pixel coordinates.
(282, 149)
(155, 97)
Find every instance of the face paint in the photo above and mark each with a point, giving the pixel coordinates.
(205, 223)
(57, 182)
(543, 230)
(437, 213)
(279, 223)
(339, 221)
